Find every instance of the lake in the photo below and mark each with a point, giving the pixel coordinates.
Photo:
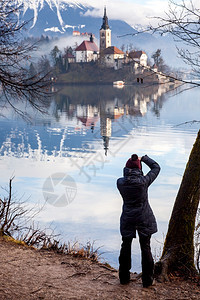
(67, 161)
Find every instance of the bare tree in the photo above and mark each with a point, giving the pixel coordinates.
(13, 214)
(17, 222)
(122, 47)
(178, 251)
(15, 79)
(197, 241)
(55, 53)
(182, 22)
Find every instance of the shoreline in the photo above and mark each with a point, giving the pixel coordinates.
(93, 74)
(27, 273)
(97, 83)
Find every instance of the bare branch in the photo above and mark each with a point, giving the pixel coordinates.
(182, 22)
(15, 81)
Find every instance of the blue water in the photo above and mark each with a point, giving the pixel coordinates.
(86, 138)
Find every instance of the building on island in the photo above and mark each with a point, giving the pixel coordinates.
(155, 68)
(76, 33)
(113, 57)
(138, 57)
(87, 51)
(109, 56)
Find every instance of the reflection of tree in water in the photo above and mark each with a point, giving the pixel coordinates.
(62, 105)
(95, 95)
(157, 105)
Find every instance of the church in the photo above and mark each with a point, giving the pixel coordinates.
(87, 51)
(109, 56)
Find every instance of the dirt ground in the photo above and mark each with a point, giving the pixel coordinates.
(27, 273)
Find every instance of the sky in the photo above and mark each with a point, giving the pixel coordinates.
(135, 11)
(131, 11)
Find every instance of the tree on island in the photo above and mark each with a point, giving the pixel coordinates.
(55, 53)
(17, 80)
(56, 56)
(158, 60)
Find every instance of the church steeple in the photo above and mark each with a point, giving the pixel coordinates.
(105, 33)
(105, 21)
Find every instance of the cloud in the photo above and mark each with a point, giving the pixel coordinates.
(132, 12)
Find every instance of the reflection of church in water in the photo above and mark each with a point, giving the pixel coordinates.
(107, 113)
(113, 111)
(106, 131)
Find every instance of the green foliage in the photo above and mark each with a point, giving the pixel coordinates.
(60, 64)
(55, 53)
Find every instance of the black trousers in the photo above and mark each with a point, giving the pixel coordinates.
(147, 260)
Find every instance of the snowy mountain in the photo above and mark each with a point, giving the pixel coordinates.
(49, 18)
(55, 6)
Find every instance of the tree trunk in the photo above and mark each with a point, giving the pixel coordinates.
(178, 251)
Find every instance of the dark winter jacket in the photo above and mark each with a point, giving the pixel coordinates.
(137, 213)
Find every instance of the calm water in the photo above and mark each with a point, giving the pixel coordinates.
(88, 134)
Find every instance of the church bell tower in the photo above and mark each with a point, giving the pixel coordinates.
(105, 33)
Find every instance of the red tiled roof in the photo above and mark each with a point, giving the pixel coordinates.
(112, 50)
(136, 54)
(87, 46)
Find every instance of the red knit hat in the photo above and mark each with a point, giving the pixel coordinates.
(133, 162)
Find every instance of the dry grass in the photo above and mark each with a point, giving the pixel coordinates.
(17, 225)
